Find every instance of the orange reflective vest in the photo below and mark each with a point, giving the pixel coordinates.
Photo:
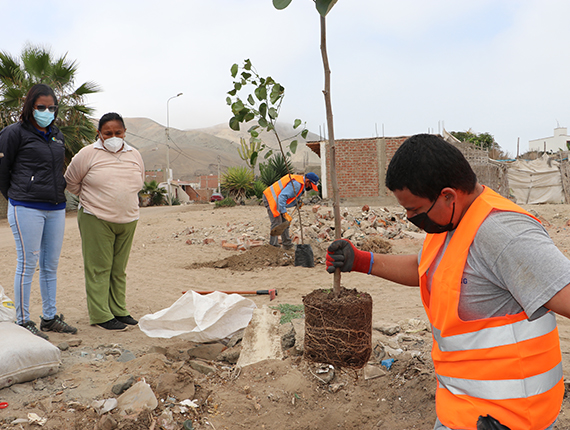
(507, 367)
(272, 193)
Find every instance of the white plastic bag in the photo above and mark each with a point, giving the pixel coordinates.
(7, 307)
(201, 318)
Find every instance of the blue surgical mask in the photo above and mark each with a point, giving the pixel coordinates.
(43, 119)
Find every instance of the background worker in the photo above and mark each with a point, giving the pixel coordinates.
(488, 274)
(281, 195)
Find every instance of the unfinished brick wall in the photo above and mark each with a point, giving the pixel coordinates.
(392, 145)
(208, 182)
(361, 165)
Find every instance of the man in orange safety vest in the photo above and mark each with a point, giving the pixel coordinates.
(281, 195)
(490, 279)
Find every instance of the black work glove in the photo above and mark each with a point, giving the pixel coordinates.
(342, 254)
(490, 423)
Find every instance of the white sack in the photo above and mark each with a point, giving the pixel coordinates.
(7, 308)
(25, 356)
(201, 318)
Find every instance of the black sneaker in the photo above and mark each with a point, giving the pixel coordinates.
(31, 326)
(112, 325)
(57, 324)
(129, 320)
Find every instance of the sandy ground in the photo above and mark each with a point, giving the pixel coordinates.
(275, 394)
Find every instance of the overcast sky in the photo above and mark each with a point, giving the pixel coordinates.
(398, 67)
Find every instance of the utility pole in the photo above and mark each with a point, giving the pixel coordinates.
(219, 190)
(168, 175)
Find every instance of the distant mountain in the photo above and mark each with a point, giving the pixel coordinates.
(199, 152)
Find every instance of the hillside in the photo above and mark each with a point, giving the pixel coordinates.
(200, 152)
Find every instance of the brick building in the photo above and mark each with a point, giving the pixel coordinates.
(360, 166)
(154, 175)
(209, 182)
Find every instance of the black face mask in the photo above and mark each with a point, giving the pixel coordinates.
(424, 222)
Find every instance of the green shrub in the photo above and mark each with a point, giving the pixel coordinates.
(289, 312)
(258, 189)
(275, 168)
(237, 182)
(227, 202)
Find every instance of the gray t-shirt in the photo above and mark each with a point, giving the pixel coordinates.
(512, 265)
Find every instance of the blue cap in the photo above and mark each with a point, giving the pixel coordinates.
(313, 177)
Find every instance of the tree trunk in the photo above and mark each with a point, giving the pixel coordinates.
(332, 157)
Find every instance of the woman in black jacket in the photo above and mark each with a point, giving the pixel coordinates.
(31, 178)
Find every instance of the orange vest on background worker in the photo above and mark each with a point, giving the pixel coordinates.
(506, 367)
(272, 193)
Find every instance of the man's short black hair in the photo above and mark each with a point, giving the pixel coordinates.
(425, 164)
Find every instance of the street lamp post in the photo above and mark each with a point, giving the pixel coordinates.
(168, 178)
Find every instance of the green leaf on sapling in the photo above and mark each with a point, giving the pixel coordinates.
(261, 92)
(281, 4)
(293, 146)
(234, 123)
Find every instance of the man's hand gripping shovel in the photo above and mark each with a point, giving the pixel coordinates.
(278, 230)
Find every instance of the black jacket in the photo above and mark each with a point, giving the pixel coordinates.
(32, 167)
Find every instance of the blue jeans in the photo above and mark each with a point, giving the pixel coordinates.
(39, 237)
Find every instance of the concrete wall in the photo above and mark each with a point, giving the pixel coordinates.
(552, 143)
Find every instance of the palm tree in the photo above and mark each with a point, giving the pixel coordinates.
(156, 194)
(37, 65)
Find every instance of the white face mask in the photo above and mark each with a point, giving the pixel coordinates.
(113, 144)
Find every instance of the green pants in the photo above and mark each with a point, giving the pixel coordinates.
(106, 247)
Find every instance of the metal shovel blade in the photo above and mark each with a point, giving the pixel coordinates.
(278, 230)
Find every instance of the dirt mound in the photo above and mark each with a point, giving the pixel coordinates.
(254, 258)
(377, 245)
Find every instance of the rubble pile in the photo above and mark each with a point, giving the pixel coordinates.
(357, 225)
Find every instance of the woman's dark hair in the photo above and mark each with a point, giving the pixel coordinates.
(425, 164)
(35, 92)
(111, 116)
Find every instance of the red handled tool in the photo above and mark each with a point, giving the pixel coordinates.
(271, 293)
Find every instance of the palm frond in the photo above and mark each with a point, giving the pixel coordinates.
(35, 65)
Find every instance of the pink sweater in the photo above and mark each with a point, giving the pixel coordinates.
(107, 183)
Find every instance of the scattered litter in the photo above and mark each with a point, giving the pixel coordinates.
(104, 406)
(36, 419)
(191, 403)
(387, 363)
(139, 396)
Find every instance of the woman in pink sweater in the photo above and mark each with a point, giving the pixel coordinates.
(107, 176)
